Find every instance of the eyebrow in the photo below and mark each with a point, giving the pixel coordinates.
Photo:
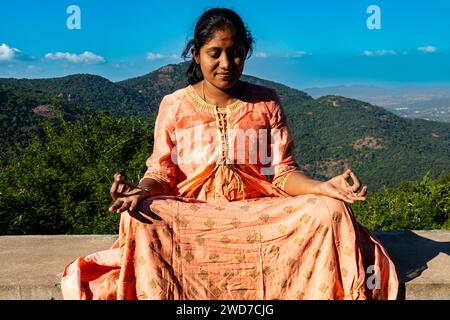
(219, 48)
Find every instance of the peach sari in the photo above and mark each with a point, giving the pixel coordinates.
(223, 229)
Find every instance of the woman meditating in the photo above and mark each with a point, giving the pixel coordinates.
(223, 210)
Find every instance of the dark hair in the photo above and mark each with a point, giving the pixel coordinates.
(209, 22)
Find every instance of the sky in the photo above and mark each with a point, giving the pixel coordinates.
(298, 43)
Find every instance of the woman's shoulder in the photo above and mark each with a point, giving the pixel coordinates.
(259, 94)
(173, 100)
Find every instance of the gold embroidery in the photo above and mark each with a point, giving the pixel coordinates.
(194, 207)
(228, 274)
(347, 251)
(322, 230)
(142, 296)
(181, 220)
(288, 209)
(204, 106)
(214, 257)
(141, 260)
(225, 240)
(192, 292)
(203, 274)
(240, 258)
(331, 265)
(189, 257)
(209, 223)
(200, 241)
(305, 218)
(242, 292)
(254, 273)
(299, 295)
(344, 272)
(299, 240)
(337, 216)
(251, 238)
(216, 292)
(316, 253)
(282, 229)
(152, 283)
(235, 222)
(323, 287)
(264, 217)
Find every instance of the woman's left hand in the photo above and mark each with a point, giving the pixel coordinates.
(339, 188)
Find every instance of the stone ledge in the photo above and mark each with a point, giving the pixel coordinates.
(32, 265)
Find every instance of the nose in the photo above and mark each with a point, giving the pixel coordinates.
(225, 61)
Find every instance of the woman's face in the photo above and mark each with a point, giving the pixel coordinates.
(221, 60)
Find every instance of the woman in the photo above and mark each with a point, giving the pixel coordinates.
(206, 222)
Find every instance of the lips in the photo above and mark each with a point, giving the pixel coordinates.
(225, 75)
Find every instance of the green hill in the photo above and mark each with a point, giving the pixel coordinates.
(331, 133)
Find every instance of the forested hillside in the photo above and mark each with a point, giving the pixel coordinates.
(331, 133)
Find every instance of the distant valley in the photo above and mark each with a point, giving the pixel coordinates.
(424, 102)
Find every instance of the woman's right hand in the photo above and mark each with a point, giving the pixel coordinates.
(125, 195)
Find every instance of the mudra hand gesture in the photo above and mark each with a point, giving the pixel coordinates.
(126, 196)
(339, 188)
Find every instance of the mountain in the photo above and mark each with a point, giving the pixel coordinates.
(331, 132)
(80, 90)
(424, 102)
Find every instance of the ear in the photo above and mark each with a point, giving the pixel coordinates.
(195, 56)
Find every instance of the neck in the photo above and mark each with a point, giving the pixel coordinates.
(220, 97)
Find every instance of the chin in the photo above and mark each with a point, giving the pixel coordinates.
(225, 84)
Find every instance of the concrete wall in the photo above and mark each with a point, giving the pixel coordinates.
(31, 266)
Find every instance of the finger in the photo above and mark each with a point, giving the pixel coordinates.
(117, 204)
(356, 183)
(345, 197)
(114, 187)
(125, 206)
(128, 186)
(363, 191)
(121, 187)
(346, 174)
(133, 205)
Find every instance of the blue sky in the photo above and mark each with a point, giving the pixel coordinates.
(299, 43)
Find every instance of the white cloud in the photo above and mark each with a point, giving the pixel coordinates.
(32, 68)
(261, 54)
(154, 56)
(298, 54)
(369, 53)
(7, 53)
(427, 49)
(86, 57)
(151, 56)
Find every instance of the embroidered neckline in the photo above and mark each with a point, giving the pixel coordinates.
(204, 106)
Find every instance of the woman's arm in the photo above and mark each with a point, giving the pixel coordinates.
(151, 186)
(297, 184)
(337, 187)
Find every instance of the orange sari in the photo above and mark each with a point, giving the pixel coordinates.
(223, 229)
